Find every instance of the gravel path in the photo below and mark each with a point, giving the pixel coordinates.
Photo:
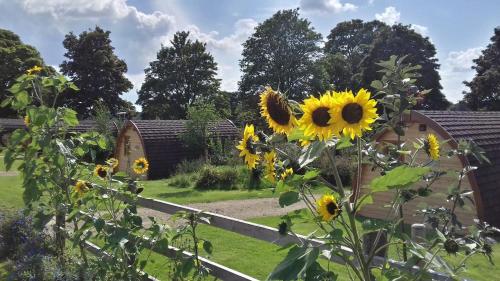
(240, 209)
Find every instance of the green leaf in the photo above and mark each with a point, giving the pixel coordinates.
(69, 117)
(344, 142)
(99, 224)
(207, 246)
(297, 261)
(377, 84)
(399, 177)
(296, 134)
(311, 153)
(311, 175)
(288, 198)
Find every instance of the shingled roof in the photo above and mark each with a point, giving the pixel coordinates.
(9, 125)
(483, 128)
(162, 144)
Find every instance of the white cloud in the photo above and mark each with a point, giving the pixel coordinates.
(461, 61)
(422, 30)
(227, 50)
(390, 16)
(455, 69)
(325, 6)
(243, 28)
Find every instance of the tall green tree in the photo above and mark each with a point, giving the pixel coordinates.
(484, 91)
(15, 59)
(348, 44)
(281, 53)
(93, 66)
(401, 40)
(181, 75)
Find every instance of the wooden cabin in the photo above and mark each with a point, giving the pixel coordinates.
(159, 141)
(8, 125)
(481, 127)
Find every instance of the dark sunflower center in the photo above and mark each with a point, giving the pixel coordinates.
(277, 109)
(332, 208)
(140, 165)
(102, 173)
(352, 113)
(321, 117)
(250, 146)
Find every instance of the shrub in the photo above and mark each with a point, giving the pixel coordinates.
(190, 166)
(31, 253)
(223, 177)
(181, 180)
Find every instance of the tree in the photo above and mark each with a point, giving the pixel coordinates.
(182, 75)
(96, 70)
(281, 53)
(485, 86)
(15, 59)
(348, 44)
(200, 117)
(401, 40)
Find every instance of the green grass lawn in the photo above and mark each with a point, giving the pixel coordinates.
(250, 256)
(160, 189)
(478, 267)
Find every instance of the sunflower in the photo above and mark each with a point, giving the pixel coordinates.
(80, 187)
(247, 147)
(141, 166)
(101, 171)
(34, 70)
(328, 207)
(431, 145)
(286, 173)
(27, 120)
(354, 114)
(112, 162)
(270, 169)
(304, 143)
(317, 120)
(275, 109)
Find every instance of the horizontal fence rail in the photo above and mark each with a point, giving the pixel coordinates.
(269, 234)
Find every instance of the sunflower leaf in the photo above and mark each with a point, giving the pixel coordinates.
(399, 177)
(311, 153)
(288, 198)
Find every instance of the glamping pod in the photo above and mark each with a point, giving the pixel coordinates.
(452, 126)
(7, 126)
(159, 141)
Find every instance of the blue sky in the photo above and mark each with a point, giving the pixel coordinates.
(459, 29)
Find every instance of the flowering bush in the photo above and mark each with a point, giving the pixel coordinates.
(323, 126)
(62, 180)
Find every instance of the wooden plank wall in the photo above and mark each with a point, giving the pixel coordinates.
(440, 187)
(136, 149)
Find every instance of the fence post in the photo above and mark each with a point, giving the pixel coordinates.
(418, 232)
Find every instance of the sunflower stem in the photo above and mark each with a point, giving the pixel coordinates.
(358, 249)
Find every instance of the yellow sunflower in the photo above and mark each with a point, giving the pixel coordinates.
(247, 147)
(112, 162)
(27, 120)
(80, 187)
(270, 169)
(317, 120)
(275, 109)
(431, 145)
(328, 207)
(141, 166)
(101, 171)
(354, 114)
(305, 143)
(286, 173)
(34, 70)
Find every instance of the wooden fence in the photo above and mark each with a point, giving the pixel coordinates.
(257, 231)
